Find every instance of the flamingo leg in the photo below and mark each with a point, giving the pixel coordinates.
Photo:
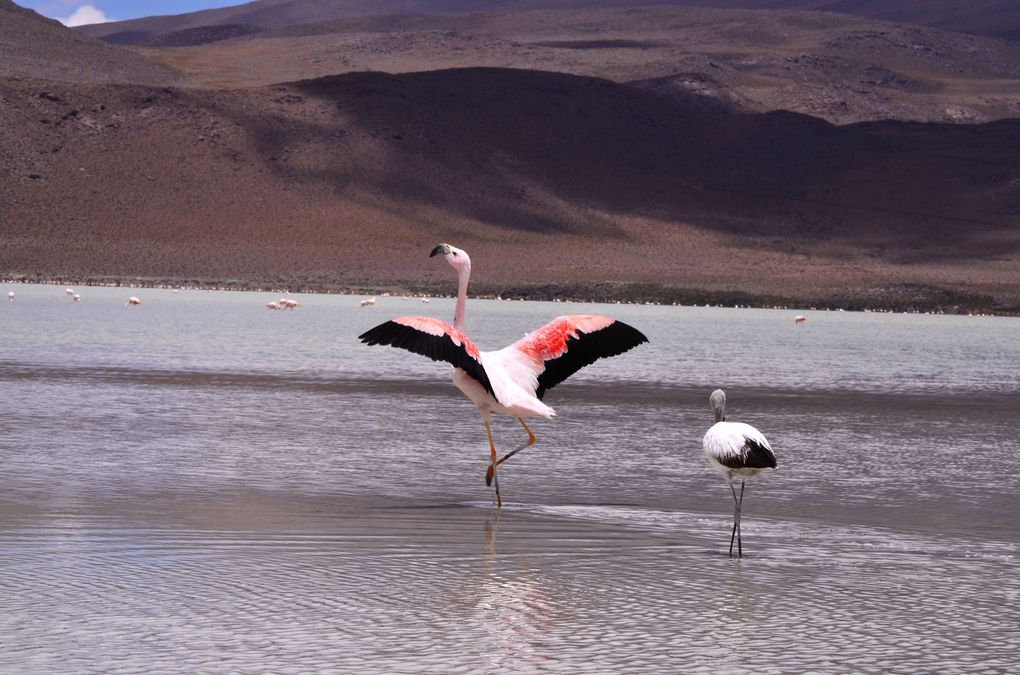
(740, 504)
(493, 460)
(736, 518)
(530, 442)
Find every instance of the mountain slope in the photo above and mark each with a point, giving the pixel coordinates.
(841, 68)
(33, 46)
(552, 179)
(991, 17)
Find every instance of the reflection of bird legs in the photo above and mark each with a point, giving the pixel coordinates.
(491, 526)
(489, 473)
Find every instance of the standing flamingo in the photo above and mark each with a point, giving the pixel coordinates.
(799, 319)
(738, 450)
(133, 301)
(512, 380)
(10, 296)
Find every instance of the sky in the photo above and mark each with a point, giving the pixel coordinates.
(79, 12)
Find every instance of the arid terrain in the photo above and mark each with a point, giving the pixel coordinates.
(843, 69)
(644, 153)
(35, 47)
(1000, 18)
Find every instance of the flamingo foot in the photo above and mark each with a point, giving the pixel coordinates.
(527, 444)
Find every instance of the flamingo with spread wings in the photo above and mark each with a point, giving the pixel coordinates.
(513, 380)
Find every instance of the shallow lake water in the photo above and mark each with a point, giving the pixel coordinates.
(200, 484)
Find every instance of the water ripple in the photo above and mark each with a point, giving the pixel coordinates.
(204, 486)
(568, 587)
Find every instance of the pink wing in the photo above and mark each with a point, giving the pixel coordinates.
(566, 344)
(433, 338)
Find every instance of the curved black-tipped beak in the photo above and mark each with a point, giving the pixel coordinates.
(442, 249)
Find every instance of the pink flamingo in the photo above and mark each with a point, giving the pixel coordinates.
(133, 301)
(513, 380)
(799, 319)
(10, 296)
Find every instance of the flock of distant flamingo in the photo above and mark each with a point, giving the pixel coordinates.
(513, 380)
(283, 303)
(369, 302)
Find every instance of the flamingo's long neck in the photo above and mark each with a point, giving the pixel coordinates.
(462, 284)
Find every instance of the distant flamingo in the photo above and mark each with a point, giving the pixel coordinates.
(290, 304)
(368, 302)
(69, 291)
(133, 301)
(799, 319)
(10, 296)
(425, 301)
(76, 297)
(738, 450)
(513, 380)
(273, 306)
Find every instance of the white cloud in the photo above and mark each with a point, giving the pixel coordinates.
(84, 15)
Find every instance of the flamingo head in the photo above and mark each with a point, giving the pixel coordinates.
(457, 258)
(718, 402)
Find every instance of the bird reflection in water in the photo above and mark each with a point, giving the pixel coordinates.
(511, 604)
(732, 612)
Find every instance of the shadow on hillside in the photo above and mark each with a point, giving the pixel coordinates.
(540, 151)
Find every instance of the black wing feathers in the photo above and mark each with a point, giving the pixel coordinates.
(436, 347)
(586, 349)
(757, 456)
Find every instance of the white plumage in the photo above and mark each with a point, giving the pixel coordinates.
(726, 443)
(738, 450)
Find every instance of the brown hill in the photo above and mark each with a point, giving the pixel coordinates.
(35, 47)
(999, 18)
(546, 178)
(992, 17)
(841, 68)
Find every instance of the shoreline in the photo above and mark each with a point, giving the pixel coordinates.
(902, 299)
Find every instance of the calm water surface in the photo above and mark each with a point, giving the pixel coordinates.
(199, 484)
